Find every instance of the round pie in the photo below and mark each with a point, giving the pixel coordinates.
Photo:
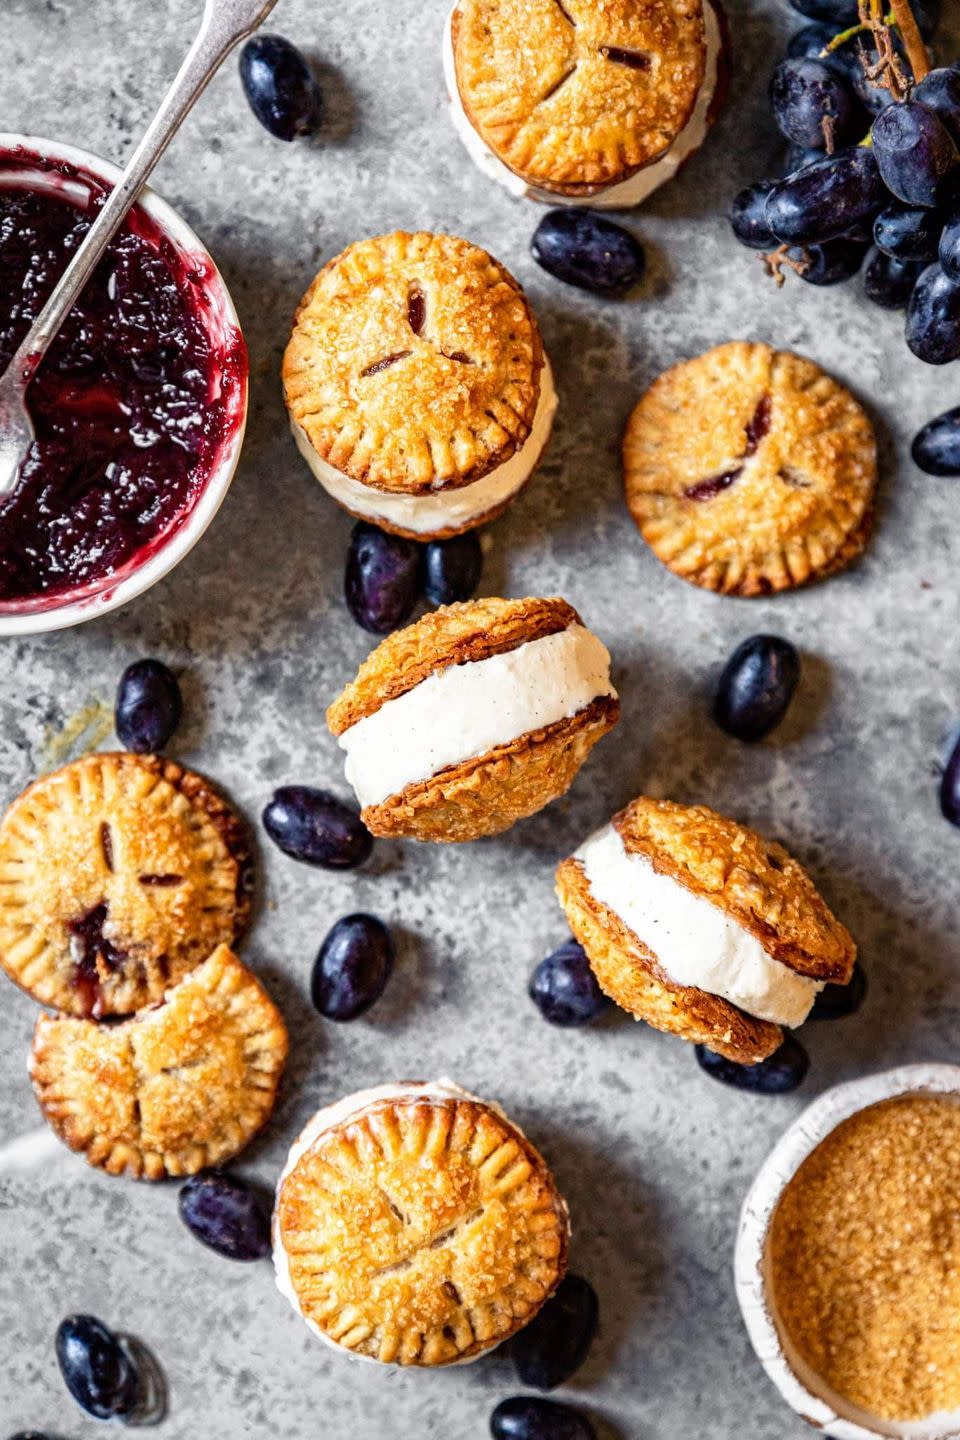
(118, 875)
(750, 470)
(702, 928)
(183, 1085)
(415, 1225)
(417, 386)
(581, 102)
(473, 718)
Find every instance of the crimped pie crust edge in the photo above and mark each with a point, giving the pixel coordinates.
(390, 1348)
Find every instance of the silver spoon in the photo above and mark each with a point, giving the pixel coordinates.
(224, 24)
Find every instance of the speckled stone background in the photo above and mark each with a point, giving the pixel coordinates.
(654, 1157)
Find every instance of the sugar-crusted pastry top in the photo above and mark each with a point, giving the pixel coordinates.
(422, 1231)
(754, 880)
(750, 470)
(452, 635)
(118, 874)
(414, 363)
(181, 1086)
(576, 94)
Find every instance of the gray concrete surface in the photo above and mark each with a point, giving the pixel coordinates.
(654, 1157)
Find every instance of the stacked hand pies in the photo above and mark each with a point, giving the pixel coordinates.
(123, 880)
(701, 927)
(417, 386)
(580, 103)
(474, 717)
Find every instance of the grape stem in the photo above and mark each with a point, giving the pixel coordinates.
(774, 261)
(886, 72)
(913, 43)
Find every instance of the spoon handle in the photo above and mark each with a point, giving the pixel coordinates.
(225, 22)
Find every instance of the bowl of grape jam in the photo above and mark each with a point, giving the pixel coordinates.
(138, 407)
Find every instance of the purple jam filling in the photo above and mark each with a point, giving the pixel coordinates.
(132, 405)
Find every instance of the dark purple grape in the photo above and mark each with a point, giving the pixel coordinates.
(352, 968)
(936, 448)
(872, 97)
(523, 1417)
(835, 1002)
(939, 90)
(280, 87)
(97, 1368)
(948, 251)
(756, 687)
(933, 318)
(556, 1342)
(565, 989)
(838, 14)
(813, 104)
(784, 1070)
(950, 785)
(915, 153)
(315, 827)
(810, 42)
(226, 1215)
(382, 578)
(888, 282)
(29, 1435)
(747, 218)
(842, 14)
(807, 42)
(908, 232)
(149, 706)
(826, 199)
(452, 568)
(582, 248)
(799, 157)
(829, 264)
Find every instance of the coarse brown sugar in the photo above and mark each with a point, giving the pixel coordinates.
(864, 1254)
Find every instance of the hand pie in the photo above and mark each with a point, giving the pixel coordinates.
(750, 470)
(118, 875)
(578, 103)
(701, 927)
(415, 1225)
(417, 386)
(474, 717)
(181, 1086)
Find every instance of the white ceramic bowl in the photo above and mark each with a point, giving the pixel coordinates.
(42, 613)
(809, 1396)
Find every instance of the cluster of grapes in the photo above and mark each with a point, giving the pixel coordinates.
(872, 177)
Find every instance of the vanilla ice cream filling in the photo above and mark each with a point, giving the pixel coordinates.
(466, 710)
(626, 193)
(328, 1119)
(451, 508)
(695, 942)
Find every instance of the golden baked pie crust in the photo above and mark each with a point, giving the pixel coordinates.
(179, 1087)
(802, 501)
(451, 635)
(575, 95)
(414, 364)
(753, 880)
(421, 1231)
(151, 842)
(628, 971)
(488, 794)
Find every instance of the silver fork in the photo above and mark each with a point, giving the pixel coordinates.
(224, 24)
